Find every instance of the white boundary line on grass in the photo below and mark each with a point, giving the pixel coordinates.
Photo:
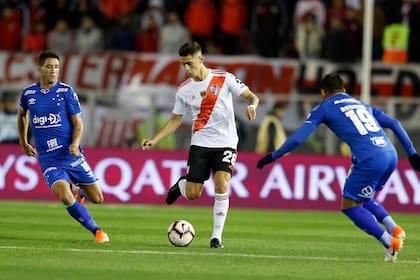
(240, 255)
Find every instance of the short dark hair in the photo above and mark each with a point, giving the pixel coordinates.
(332, 83)
(45, 55)
(189, 48)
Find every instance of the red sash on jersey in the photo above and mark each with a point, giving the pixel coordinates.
(208, 102)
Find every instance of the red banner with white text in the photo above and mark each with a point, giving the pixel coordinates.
(109, 71)
(134, 176)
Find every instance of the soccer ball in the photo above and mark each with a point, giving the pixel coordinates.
(181, 233)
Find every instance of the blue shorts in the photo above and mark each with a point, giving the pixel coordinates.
(67, 167)
(369, 176)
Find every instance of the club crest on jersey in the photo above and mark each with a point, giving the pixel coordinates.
(213, 89)
(203, 93)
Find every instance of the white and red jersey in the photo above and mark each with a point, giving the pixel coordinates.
(211, 105)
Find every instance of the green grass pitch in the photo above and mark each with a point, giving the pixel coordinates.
(38, 240)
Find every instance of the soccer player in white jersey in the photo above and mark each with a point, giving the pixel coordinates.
(52, 109)
(208, 94)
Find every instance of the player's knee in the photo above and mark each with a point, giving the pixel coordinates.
(98, 199)
(193, 194)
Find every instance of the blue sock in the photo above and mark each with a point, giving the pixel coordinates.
(363, 219)
(376, 209)
(81, 214)
(381, 214)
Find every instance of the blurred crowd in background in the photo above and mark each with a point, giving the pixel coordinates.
(328, 29)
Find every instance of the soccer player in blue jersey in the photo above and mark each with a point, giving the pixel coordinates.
(52, 109)
(374, 157)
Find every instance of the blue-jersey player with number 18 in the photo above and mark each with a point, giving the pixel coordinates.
(52, 109)
(374, 158)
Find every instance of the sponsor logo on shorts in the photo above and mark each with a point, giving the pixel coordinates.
(366, 192)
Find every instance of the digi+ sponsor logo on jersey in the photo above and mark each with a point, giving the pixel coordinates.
(51, 120)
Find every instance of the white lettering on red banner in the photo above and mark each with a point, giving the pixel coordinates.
(134, 176)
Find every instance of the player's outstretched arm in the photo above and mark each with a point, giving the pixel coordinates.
(267, 159)
(293, 141)
(387, 121)
(169, 127)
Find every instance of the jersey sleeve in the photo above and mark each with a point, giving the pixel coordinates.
(73, 102)
(22, 101)
(180, 107)
(387, 121)
(315, 118)
(236, 86)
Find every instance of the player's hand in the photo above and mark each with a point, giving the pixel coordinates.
(251, 112)
(147, 144)
(29, 150)
(74, 150)
(265, 160)
(414, 160)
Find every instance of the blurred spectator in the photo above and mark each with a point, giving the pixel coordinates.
(268, 25)
(154, 10)
(337, 9)
(233, 19)
(114, 9)
(60, 39)
(317, 7)
(148, 38)
(309, 37)
(271, 134)
(36, 13)
(355, 4)
(36, 39)
(85, 8)
(173, 34)
(200, 19)
(8, 118)
(88, 38)
(395, 43)
(56, 10)
(178, 6)
(11, 29)
(337, 45)
(121, 36)
(354, 27)
(379, 22)
(411, 17)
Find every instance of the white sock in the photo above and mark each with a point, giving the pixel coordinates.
(386, 239)
(182, 184)
(220, 210)
(389, 223)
